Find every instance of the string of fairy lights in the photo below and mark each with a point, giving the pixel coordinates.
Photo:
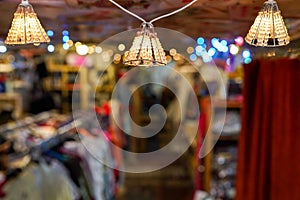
(263, 32)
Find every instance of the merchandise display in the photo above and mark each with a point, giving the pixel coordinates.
(45, 154)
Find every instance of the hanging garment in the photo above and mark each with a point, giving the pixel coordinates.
(99, 176)
(268, 155)
(38, 182)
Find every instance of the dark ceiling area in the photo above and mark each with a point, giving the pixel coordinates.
(96, 20)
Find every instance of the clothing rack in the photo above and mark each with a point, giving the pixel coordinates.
(24, 122)
(36, 151)
(89, 177)
(62, 134)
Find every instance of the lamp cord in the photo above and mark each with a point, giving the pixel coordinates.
(155, 19)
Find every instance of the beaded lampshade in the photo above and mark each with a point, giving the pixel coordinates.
(268, 29)
(26, 27)
(146, 49)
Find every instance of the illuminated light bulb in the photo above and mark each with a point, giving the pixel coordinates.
(177, 57)
(3, 48)
(206, 58)
(239, 41)
(224, 42)
(70, 43)
(65, 38)
(65, 33)
(117, 57)
(50, 33)
(77, 44)
(51, 48)
(169, 58)
(193, 57)
(106, 56)
(268, 29)
(146, 49)
(199, 49)
(247, 60)
(190, 50)
(225, 49)
(66, 46)
(91, 50)
(200, 40)
(233, 49)
(98, 49)
(26, 27)
(246, 54)
(212, 51)
(214, 41)
(228, 61)
(121, 47)
(82, 49)
(173, 52)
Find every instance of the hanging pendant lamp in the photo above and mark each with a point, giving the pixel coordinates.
(268, 29)
(26, 27)
(146, 49)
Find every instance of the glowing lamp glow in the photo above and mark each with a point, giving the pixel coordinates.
(212, 51)
(246, 54)
(146, 49)
(3, 48)
(121, 47)
(268, 29)
(50, 33)
(239, 41)
(233, 49)
(193, 57)
(200, 40)
(26, 27)
(82, 49)
(51, 48)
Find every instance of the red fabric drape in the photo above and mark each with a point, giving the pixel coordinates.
(269, 145)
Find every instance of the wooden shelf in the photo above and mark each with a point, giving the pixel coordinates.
(228, 138)
(228, 103)
(211, 137)
(105, 88)
(63, 84)
(62, 68)
(15, 99)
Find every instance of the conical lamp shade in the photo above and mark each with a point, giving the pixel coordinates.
(268, 29)
(26, 27)
(146, 49)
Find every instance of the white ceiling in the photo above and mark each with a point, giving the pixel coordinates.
(95, 20)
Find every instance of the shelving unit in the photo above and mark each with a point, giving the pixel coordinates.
(62, 80)
(15, 100)
(224, 141)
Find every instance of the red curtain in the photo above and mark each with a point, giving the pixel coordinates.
(269, 146)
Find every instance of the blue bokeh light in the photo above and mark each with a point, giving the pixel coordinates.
(66, 38)
(247, 60)
(51, 48)
(212, 51)
(246, 54)
(193, 57)
(50, 33)
(200, 40)
(65, 32)
(224, 42)
(66, 46)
